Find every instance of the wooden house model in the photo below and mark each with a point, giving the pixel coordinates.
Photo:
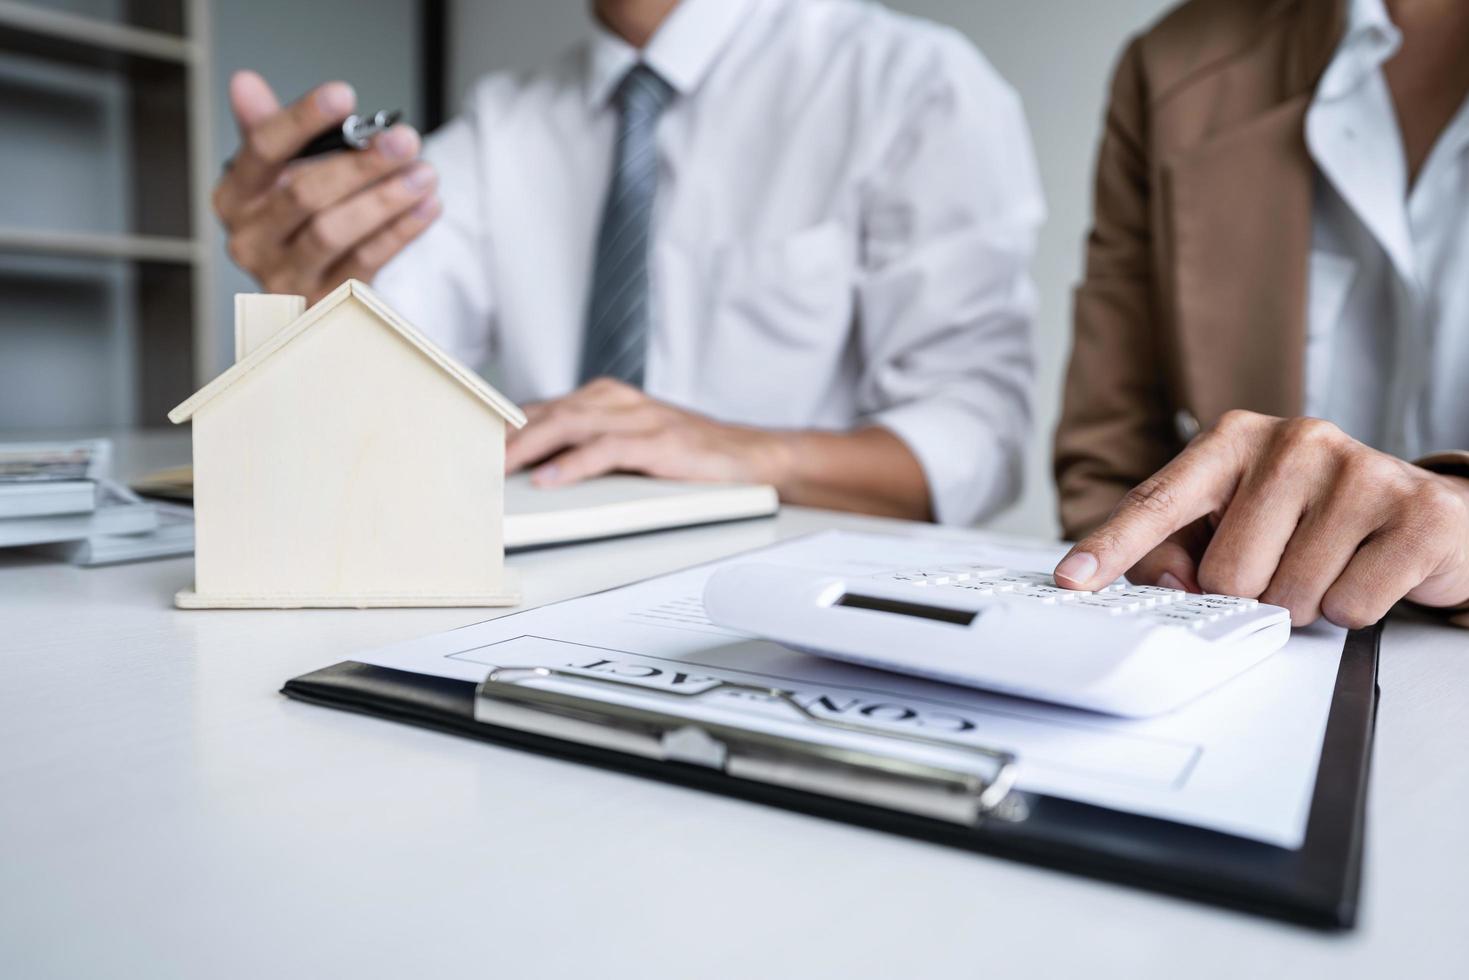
(345, 460)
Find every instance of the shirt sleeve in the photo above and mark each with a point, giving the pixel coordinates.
(950, 215)
(440, 282)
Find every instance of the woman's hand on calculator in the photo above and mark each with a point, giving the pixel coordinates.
(1293, 512)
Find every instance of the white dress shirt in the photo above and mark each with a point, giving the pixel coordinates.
(1387, 349)
(846, 208)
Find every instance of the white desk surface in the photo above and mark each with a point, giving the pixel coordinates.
(164, 812)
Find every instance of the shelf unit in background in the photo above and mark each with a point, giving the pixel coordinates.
(160, 49)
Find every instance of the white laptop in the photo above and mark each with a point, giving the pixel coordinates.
(611, 506)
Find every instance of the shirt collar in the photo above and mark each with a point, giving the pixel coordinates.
(681, 51)
(1370, 39)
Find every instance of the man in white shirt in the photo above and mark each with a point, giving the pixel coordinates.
(781, 241)
(1281, 249)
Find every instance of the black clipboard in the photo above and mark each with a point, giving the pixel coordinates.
(1316, 885)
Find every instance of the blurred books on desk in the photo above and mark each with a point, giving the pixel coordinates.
(172, 536)
(57, 498)
(41, 479)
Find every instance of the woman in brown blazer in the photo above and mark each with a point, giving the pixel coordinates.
(1230, 173)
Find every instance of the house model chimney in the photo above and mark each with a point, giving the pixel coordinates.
(258, 316)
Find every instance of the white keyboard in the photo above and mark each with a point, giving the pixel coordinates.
(1126, 649)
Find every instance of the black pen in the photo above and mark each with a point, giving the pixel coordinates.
(355, 133)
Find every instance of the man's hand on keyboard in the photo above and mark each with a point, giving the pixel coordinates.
(607, 426)
(1293, 512)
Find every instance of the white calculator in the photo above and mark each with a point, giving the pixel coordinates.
(1131, 650)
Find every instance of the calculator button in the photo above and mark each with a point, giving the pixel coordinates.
(1210, 602)
(976, 588)
(1158, 594)
(1122, 603)
(1170, 617)
(1049, 594)
(1099, 604)
(1037, 578)
(928, 576)
(1199, 611)
(963, 573)
(1231, 601)
(905, 578)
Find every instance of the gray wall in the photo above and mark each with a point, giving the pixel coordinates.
(1057, 53)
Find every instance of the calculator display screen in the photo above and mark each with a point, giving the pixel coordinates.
(959, 617)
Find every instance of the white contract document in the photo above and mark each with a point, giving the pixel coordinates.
(1241, 760)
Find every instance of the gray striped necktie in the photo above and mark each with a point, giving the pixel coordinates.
(617, 318)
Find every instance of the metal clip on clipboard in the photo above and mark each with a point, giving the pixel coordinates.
(664, 734)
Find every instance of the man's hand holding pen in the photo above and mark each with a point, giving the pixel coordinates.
(302, 226)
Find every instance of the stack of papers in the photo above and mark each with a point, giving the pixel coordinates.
(47, 479)
(172, 536)
(57, 496)
(110, 509)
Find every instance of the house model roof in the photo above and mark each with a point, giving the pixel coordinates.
(352, 289)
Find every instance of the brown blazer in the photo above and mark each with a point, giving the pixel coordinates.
(1194, 297)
